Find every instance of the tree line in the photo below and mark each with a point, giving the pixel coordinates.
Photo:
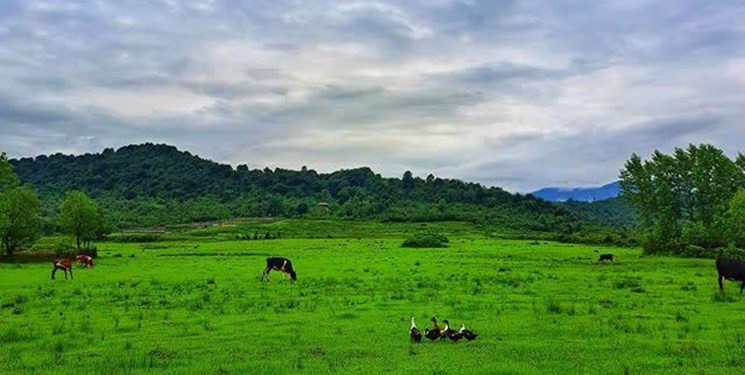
(689, 202)
(21, 214)
(157, 185)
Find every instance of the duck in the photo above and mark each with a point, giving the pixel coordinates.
(467, 333)
(450, 333)
(434, 333)
(414, 333)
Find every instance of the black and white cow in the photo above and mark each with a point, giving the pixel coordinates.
(608, 257)
(278, 264)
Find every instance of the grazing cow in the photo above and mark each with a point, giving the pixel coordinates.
(84, 259)
(62, 264)
(731, 269)
(608, 257)
(278, 264)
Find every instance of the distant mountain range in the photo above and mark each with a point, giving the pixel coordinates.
(551, 194)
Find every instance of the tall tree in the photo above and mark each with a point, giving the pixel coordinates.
(8, 178)
(20, 210)
(637, 188)
(79, 217)
(20, 217)
(737, 218)
(684, 196)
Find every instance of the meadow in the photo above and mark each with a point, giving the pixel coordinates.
(191, 302)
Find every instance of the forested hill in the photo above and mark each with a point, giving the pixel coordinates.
(136, 171)
(612, 212)
(158, 184)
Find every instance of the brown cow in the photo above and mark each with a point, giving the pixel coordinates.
(84, 259)
(62, 264)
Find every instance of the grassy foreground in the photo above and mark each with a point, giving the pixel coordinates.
(196, 306)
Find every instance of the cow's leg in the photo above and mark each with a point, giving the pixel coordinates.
(71, 273)
(54, 270)
(265, 274)
(721, 282)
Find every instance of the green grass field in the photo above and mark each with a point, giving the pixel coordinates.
(195, 305)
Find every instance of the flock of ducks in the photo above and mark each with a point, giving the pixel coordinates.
(437, 333)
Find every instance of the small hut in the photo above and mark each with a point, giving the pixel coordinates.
(321, 209)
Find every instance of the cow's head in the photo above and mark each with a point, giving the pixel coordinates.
(293, 275)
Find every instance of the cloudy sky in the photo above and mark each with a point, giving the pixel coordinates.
(518, 94)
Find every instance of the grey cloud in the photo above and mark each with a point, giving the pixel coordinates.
(514, 93)
(20, 111)
(589, 158)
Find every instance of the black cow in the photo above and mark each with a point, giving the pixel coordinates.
(731, 269)
(278, 264)
(606, 257)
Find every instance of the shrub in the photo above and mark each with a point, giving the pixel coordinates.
(63, 245)
(694, 251)
(554, 307)
(426, 240)
(730, 253)
(633, 283)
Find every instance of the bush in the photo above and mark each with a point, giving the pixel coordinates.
(694, 251)
(427, 240)
(63, 245)
(731, 253)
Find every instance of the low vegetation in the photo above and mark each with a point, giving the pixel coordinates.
(426, 240)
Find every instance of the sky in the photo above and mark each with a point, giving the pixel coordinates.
(516, 94)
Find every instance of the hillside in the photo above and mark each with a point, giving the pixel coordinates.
(611, 190)
(151, 185)
(612, 212)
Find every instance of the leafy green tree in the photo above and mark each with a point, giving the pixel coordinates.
(737, 217)
(20, 210)
(407, 181)
(79, 217)
(20, 217)
(684, 197)
(8, 178)
(302, 209)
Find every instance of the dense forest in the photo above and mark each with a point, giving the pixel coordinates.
(156, 185)
(613, 212)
